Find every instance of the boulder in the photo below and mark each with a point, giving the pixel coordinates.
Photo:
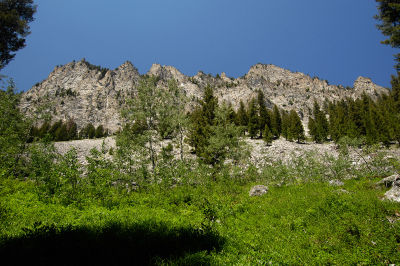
(336, 183)
(388, 181)
(394, 193)
(258, 190)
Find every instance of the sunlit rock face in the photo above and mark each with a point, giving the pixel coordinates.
(90, 94)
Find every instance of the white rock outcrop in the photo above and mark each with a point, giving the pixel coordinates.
(91, 94)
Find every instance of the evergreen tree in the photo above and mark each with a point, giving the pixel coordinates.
(89, 131)
(99, 132)
(223, 142)
(61, 133)
(368, 113)
(389, 17)
(382, 120)
(231, 114)
(267, 135)
(253, 125)
(209, 104)
(202, 118)
(318, 124)
(285, 124)
(338, 120)
(395, 93)
(355, 127)
(395, 104)
(44, 129)
(54, 130)
(14, 18)
(199, 131)
(263, 115)
(296, 130)
(241, 117)
(276, 122)
(72, 130)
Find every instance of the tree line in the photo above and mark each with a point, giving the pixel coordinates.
(64, 131)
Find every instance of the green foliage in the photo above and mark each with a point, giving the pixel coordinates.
(14, 18)
(318, 124)
(223, 141)
(193, 220)
(99, 132)
(199, 131)
(285, 124)
(253, 124)
(70, 174)
(377, 121)
(389, 18)
(89, 131)
(59, 131)
(146, 108)
(43, 169)
(14, 132)
(100, 69)
(241, 118)
(276, 122)
(173, 122)
(213, 134)
(267, 135)
(208, 105)
(264, 118)
(294, 127)
(202, 119)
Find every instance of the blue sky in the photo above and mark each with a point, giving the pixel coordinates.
(334, 40)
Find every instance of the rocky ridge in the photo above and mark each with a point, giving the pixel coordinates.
(91, 94)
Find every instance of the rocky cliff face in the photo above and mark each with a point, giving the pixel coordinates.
(90, 94)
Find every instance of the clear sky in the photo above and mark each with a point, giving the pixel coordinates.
(334, 40)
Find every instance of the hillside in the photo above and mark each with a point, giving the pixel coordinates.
(91, 94)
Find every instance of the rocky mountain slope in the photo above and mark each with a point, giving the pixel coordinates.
(91, 94)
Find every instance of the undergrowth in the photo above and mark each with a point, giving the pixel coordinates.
(194, 215)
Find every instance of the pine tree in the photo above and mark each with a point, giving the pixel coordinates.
(355, 126)
(44, 129)
(61, 133)
(202, 118)
(339, 120)
(267, 135)
(223, 142)
(209, 104)
(296, 130)
(318, 124)
(285, 124)
(241, 117)
(389, 11)
(276, 122)
(232, 116)
(54, 129)
(253, 125)
(382, 120)
(99, 132)
(263, 115)
(199, 131)
(89, 131)
(72, 130)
